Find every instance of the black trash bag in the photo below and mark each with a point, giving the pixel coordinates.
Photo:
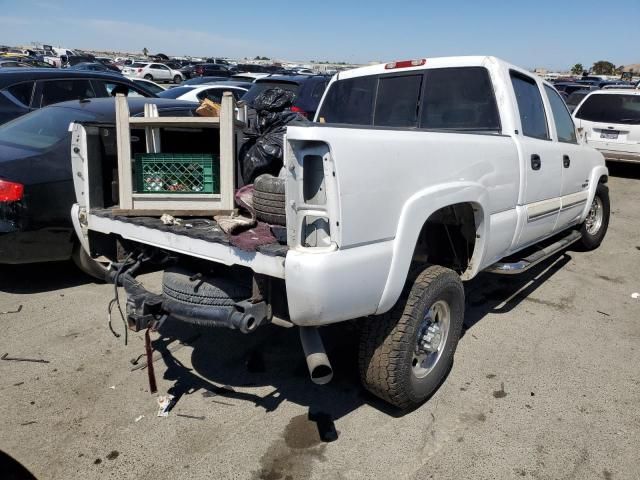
(274, 100)
(263, 148)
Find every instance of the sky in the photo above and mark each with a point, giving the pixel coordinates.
(541, 33)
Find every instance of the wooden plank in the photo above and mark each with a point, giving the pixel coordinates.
(227, 151)
(175, 213)
(152, 134)
(177, 196)
(123, 138)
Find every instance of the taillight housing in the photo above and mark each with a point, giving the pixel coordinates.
(11, 191)
(139, 70)
(300, 111)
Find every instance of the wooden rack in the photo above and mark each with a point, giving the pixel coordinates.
(135, 203)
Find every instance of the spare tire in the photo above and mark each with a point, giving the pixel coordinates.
(186, 287)
(269, 199)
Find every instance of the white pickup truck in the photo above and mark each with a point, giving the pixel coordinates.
(416, 176)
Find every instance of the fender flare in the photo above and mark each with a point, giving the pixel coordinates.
(596, 174)
(416, 211)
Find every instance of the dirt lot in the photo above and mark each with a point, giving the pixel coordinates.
(546, 384)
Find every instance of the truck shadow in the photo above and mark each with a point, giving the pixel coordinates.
(499, 294)
(624, 170)
(227, 366)
(41, 277)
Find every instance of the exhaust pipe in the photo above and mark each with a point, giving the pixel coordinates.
(317, 360)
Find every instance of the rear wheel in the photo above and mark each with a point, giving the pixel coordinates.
(148, 76)
(93, 268)
(596, 224)
(405, 354)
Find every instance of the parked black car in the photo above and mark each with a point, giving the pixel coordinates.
(36, 184)
(308, 89)
(207, 70)
(576, 97)
(25, 89)
(252, 68)
(569, 88)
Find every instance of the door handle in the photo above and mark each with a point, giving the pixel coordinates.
(536, 163)
(566, 161)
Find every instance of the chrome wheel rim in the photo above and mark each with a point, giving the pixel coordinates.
(432, 338)
(594, 217)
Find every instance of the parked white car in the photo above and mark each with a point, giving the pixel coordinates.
(153, 71)
(214, 91)
(609, 120)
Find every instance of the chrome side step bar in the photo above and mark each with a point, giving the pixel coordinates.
(512, 268)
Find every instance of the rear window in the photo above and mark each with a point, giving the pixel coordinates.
(397, 101)
(611, 109)
(259, 87)
(350, 101)
(42, 128)
(459, 99)
(139, 65)
(175, 92)
(453, 99)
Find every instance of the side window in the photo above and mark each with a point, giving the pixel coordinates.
(530, 106)
(350, 101)
(110, 89)
(22, 92)
(459, 99)
(213, 94)
(54, 91)
(397, 101)
(565, 128)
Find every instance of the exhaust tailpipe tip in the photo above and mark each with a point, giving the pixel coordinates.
(318, 363)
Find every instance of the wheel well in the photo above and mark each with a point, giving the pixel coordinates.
(604, 179)
(448, 237)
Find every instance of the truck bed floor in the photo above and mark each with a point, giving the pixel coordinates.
(202, 229)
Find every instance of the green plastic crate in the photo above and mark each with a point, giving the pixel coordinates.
(177, 173)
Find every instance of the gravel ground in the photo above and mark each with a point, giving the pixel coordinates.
(545, 384)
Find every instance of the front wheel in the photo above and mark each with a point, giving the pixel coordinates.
(405, 354)
(177, 79)
(595, 225)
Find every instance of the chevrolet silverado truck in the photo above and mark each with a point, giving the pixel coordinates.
(414, 177)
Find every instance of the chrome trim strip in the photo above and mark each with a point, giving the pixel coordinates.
(545, 214)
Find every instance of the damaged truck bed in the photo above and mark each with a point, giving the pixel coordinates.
(198, 237)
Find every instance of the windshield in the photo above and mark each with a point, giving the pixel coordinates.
(175, 92)
(259, 87)
(41, 129)
(611, 109)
